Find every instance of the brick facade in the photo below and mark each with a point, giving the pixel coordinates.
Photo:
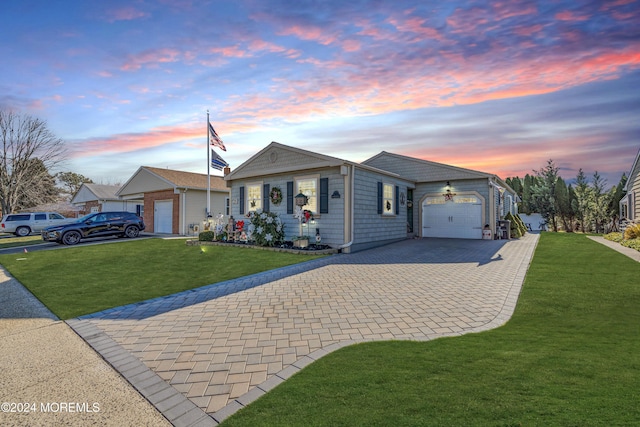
(149, 211)
(86, 209)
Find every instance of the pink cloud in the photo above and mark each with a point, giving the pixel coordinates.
(568, 15)
(151, 58)
(310, 33)
(124, 14)
(528, 31)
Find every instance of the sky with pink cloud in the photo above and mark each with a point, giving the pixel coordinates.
(498, 86)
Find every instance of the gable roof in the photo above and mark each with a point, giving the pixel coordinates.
(89, 192)
(633, 173)
(420, 170)
(148, 178)
(278, 158)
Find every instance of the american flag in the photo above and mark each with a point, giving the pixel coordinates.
(215, 139)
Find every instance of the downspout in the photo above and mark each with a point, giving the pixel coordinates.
(351, 209)
(492, 208)
(184, 212)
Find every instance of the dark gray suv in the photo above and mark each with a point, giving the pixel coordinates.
(100, 224)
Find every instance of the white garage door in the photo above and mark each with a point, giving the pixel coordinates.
(460, 218)
(163, 216)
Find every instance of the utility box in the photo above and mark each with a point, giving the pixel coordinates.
(504, 229)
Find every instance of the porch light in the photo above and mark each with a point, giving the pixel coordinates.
(301, 200)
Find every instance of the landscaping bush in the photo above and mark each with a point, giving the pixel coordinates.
(633, 244)
(632, 232)
(614, 237)
(516, 232)
(268, 228)
(206, 236)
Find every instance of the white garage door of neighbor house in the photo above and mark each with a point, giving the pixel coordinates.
(163, 216)
(460, 218)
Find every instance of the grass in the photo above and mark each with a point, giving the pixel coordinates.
(570, 356)
(9, 241)
(86, 279)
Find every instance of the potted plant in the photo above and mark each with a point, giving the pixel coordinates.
(301, 241)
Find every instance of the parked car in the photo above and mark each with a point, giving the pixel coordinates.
(100, 224)
(23, 224)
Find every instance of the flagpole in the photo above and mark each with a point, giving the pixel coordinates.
(208, 171)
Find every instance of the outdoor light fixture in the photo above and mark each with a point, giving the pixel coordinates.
(448, 195)
(301, 200)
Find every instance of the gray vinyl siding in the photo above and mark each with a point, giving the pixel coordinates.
(372, 228)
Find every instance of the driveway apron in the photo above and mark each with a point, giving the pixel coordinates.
(215, 349)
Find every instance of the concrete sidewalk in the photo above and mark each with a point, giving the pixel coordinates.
(631, 253)
(46, 365)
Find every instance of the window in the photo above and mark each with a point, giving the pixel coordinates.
(55, 216)
(40, 217)
(254, 197)
(387, 199)
(227, 206)
(308, 185)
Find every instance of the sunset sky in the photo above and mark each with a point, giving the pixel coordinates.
(496, 86)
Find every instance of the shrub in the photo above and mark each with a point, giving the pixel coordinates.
(633, 244)
(206, 236)
(516, 233)
(268, 229)
(632, 232)
(614, 237)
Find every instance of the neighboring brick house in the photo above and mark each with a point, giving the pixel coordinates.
(175, 201)
(92, 198)
(361, 205)
(630, 203)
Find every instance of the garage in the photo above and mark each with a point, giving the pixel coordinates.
(163, 216)
(460, 217)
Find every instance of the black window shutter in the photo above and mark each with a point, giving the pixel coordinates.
(242, 200)
(324, 195)
(265, 196)
(290, 197)
(397, 200)
(379, 197)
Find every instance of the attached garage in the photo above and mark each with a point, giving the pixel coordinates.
(460, 217)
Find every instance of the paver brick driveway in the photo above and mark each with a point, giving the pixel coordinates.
(222, 346)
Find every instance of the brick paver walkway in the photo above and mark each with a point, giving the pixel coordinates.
(217, 348)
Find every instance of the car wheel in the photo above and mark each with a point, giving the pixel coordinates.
(23, 231)
(132, 231)
(71, 237)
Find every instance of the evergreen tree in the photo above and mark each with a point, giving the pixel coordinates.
(581, 201)
(544, 193)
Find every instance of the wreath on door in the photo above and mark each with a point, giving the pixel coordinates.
(275, 195)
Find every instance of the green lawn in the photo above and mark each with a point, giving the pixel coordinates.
(85, 279)
(570, 356)
(11, 241)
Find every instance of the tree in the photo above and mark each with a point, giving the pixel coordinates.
(527, 205)
(544, 193)
(563, 204)
(71, 182)
(581, 201)
(599, 202)
(29, 150)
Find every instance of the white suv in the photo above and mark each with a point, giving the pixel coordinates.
(23, 224)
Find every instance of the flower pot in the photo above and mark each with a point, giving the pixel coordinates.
(301, 243)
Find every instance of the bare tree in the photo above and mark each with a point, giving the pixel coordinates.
(29, 150)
